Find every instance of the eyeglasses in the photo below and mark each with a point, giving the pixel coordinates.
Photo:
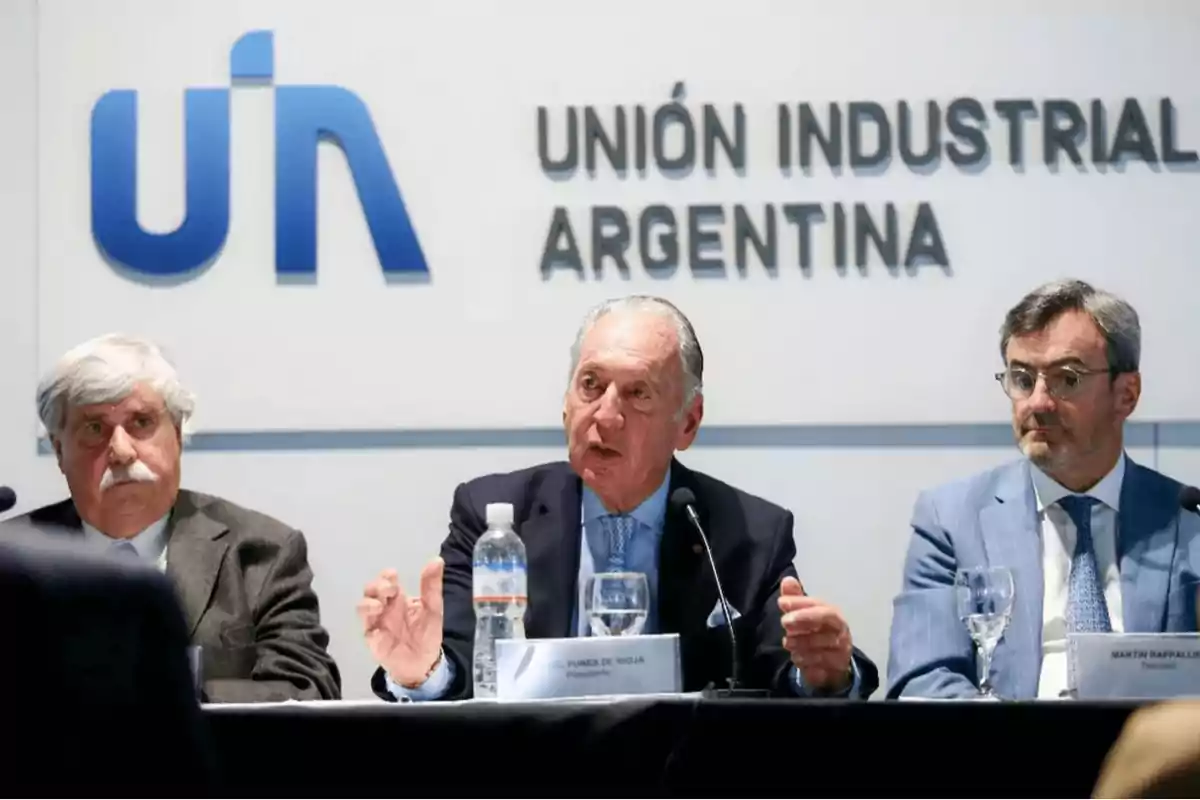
(1061, 382)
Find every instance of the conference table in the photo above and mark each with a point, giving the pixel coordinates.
(665, 745)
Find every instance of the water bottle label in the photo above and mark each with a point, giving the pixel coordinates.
(499, 586)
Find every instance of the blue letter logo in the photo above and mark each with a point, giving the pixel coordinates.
(304, 116)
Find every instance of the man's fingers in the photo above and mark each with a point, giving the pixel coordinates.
(827, 660)
(815, 642)
(795, 602)
(377, 641)
(828, 656)
(791, 587)
(811, 620)
(431, 585)
(369, 610)
(382, 590)
(799, 647)
(384, 579)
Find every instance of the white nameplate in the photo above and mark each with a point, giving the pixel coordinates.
(1143, 666)
(539, 669)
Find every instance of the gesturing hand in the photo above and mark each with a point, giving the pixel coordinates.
(403, 633)
(817, 637)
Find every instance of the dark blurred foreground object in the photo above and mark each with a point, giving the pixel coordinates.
(96, 695)
(1157, 755)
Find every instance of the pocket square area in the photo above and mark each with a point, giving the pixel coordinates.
(716, 618)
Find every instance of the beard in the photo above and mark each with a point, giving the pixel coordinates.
(1042, 453)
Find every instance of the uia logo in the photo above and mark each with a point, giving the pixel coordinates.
(304, 117)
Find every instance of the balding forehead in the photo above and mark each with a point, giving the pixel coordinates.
(633, 330)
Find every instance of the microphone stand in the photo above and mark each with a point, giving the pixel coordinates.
(711, 692)
(734, 690)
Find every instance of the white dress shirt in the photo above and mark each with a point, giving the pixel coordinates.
(151, 544)
(1058, 545)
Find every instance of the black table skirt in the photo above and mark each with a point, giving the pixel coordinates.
(674, 746)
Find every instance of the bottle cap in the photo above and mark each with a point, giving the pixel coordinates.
(499, 515)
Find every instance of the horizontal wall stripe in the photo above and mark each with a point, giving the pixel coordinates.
(944, 435)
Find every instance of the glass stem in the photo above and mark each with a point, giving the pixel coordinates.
(985, 668)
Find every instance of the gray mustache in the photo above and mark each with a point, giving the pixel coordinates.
(137, 472)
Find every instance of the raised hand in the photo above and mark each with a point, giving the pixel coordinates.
(403, 633)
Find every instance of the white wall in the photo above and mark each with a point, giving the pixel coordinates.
(18, 232)
(351, 407)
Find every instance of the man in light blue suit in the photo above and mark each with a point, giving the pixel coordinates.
(1094, 541)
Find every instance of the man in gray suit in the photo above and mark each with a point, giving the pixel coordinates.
(1094, 541)
(115, 410)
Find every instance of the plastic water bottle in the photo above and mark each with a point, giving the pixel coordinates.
(500, 594)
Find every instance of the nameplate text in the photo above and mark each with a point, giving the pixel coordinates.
(538, 669)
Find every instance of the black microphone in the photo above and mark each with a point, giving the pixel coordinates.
(8, 499)
(1189, 498)
(683, 500)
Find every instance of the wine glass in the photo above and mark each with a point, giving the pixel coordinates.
(616, 603)
(985, 600)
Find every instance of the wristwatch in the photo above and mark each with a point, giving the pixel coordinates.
(436, 663)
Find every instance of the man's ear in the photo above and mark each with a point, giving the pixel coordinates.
(56, 443)
(1128, 389)
(691, 424)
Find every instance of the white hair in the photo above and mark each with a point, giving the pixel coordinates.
(691, 357)
(106, 370)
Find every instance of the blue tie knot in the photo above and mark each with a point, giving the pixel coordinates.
(1079, 509)
(619, 530)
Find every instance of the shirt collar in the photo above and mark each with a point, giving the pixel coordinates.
(651, 512)
(1108, 491)
(150, 543)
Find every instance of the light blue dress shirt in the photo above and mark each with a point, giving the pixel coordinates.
(151, 544)
(641, 556)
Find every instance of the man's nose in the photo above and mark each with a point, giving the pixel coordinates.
(1040, 401)
(120, 448)
(608, 412)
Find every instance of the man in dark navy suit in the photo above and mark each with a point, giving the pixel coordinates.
(635, 398)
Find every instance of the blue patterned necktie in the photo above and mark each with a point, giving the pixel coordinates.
(1086, 609)
(618, 528)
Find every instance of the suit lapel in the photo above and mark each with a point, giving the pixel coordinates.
(1011, 538)
(684, 582)
(552, 533)
(1146, 534)
(61, 517)
(196, 547)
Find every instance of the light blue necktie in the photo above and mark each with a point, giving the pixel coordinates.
(618, 528)
(1086, 609)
